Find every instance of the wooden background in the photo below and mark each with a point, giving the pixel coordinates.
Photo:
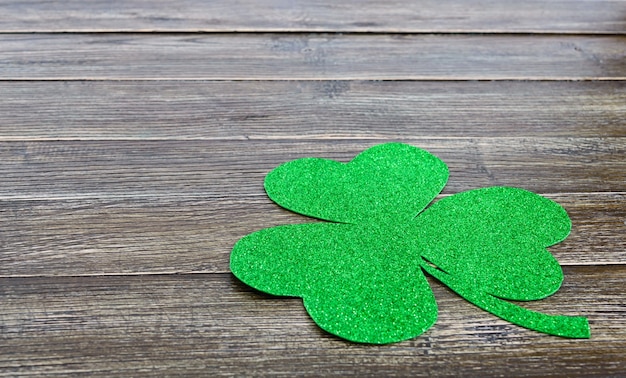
(135, 135)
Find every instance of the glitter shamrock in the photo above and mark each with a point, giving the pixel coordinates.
(360, 273)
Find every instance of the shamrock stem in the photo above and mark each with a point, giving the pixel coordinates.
(559, 325)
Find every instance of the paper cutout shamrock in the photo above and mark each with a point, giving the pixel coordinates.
(361, 275)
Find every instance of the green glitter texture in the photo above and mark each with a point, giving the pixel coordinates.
(361, 275)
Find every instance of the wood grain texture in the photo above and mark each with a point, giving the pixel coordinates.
(231, 169)
(311, 56)
(135, 136)
(396, 16)
(330, 110)
(194, 324)
(155, 235)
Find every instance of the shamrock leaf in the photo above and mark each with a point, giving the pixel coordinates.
(361, 275)
(391, 182)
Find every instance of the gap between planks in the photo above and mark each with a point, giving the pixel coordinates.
(417, 32)
(165, 273)
(192, 196)
(345, 78)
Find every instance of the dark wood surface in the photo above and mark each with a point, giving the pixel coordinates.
(392, 16)
(135, 135)
(311, 56)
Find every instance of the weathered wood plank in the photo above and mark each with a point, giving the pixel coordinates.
(310, 56)
(230, 169)
(404, 16)
(158, 168)
(177, 235)
(309, 109)
(200, 324)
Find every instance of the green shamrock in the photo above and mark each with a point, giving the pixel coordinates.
(361, 273)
